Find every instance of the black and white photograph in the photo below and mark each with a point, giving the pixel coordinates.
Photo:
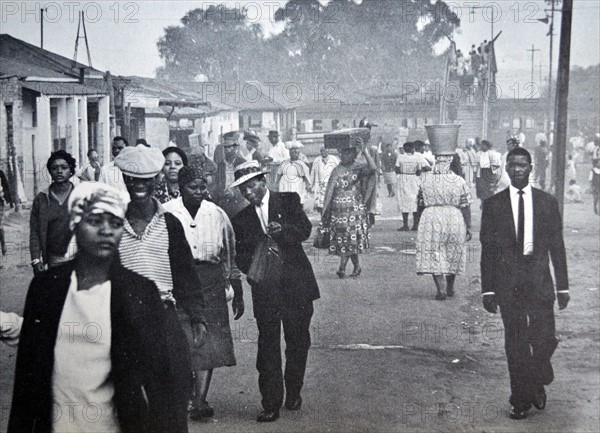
(299, 216)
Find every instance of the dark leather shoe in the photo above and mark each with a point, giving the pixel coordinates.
(519, 412)
(268, 416)
(539, 400)
(201, 412)
(293, 403)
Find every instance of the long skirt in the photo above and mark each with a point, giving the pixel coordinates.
(441, 241)
(216, 349)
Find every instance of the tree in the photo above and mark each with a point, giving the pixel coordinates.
(217, 43)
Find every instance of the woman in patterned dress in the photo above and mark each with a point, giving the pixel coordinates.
(347, 202)
(444, 226)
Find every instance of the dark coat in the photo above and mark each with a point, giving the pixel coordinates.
(298, 284)
(5, 191)
(144, 391)
(499, 249)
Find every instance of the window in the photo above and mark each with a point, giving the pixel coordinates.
(335, 124)
(241, 121)
(516, 123)
(529, 123)
(317, 125)
(256, 121)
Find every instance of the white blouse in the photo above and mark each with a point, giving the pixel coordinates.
(82, 391)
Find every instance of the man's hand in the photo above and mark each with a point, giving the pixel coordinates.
(490, 304)
(199, 333)
(237, 306)
(274, 228)
(38, 268)
(563, 300)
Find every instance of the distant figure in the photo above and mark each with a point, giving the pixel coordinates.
(321, 171)
(278, 152)
(252, 144)
(110, 173)
(571, 169)
(595, 184)
(91, 171)
(488, 172)
(573, 193)
(293, 175)
(540, 161)
(408, 169)
(388, 164)
(5, 198)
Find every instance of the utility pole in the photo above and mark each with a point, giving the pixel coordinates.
(79, 25)
(533, 51)
(562, 99)
(42, 29)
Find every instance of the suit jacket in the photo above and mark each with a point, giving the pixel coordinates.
(499, 258)
(144, 391)
(298, 284)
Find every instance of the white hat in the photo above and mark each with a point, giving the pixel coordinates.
(246, 171)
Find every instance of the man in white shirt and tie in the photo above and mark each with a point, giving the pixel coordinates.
(521, 231)
(286, 303)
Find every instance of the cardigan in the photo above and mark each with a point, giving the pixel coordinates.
(144, 396)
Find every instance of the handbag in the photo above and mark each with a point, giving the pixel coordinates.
(267, 264)
(322, 239)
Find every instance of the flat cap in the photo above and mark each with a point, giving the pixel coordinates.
(140, 161)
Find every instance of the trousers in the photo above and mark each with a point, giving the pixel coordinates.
(296, 331)
(530, 341)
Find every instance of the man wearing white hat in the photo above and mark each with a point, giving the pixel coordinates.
(278, 219)
(293, 175)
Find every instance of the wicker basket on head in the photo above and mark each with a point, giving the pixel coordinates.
(443, 138)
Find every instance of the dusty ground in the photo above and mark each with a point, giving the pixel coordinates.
(386, 356)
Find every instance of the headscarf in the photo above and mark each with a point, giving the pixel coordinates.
(96, 198)
(189, 173)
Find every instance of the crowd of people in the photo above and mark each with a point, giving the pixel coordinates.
(154, 245)
(471, 68)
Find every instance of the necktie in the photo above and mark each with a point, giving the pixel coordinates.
(261, 217)
(521, 225)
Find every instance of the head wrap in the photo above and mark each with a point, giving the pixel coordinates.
(190, 173)
(96, 198)
(140, 161)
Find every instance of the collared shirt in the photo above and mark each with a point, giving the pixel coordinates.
(82, 363)
(250, 155)
(528, 202)
(484, 160)
(210, 234)
(262, 211)
(279, 152)
(148, 254)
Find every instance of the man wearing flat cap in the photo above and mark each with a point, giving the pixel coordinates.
(252, 144)
(277, 217)
(154, 245)
(227, 156)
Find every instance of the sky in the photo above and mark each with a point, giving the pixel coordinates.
(123, 35)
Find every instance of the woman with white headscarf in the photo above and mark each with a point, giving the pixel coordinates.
(94, 333)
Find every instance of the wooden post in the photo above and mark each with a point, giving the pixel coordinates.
(561, 108)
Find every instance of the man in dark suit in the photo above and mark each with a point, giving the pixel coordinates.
(521, 230)
(280, 216)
